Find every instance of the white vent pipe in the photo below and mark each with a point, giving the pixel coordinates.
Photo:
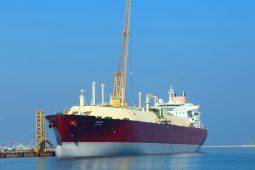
(102, 93)
(155, 101)
(140, 100)
(110, 101)
(171, 94)
(147, 102)
(82, 100)
(93, 100)
(183, 94)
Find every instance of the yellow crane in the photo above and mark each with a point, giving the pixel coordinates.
(119, 86)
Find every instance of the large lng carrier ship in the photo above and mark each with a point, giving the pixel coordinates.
(114, 128)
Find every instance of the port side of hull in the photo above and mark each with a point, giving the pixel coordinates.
(90, 129)
(94, 149)
(86, 136)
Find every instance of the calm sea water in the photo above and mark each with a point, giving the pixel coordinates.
(208, 159)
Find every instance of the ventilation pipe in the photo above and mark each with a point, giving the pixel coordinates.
(171, 94)
(93, 101)
(140, 100)
(155, 101)
(102, 93)
(110, 101)
(183, 94)
(147, 102)
(82, 100)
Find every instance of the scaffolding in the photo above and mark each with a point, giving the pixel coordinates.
(41, 140)
(40, 128)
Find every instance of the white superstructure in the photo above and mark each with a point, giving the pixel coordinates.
(176, 111)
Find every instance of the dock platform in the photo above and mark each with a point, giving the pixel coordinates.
(32, 153)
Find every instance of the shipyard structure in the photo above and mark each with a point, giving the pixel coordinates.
(43, 145)
(113, 128)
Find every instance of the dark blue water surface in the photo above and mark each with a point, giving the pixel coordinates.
(208, 159)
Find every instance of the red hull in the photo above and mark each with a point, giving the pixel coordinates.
(73, 128)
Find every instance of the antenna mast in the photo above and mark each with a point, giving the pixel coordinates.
(119, 90)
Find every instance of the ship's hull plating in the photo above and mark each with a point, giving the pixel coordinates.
(79, 136)
(93, 149)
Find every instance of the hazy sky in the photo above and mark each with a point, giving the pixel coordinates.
(51, 49)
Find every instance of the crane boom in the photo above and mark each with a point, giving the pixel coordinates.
(119, 90)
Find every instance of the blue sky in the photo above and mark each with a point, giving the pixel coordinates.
(49, 50)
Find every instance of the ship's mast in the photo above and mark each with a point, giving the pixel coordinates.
(120, 77)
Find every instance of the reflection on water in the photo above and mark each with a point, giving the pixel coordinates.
(41, 163)
(174, 161)
(184, 161)
(234, 159)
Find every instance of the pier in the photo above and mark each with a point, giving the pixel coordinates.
(39, 150)
(31, 153)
